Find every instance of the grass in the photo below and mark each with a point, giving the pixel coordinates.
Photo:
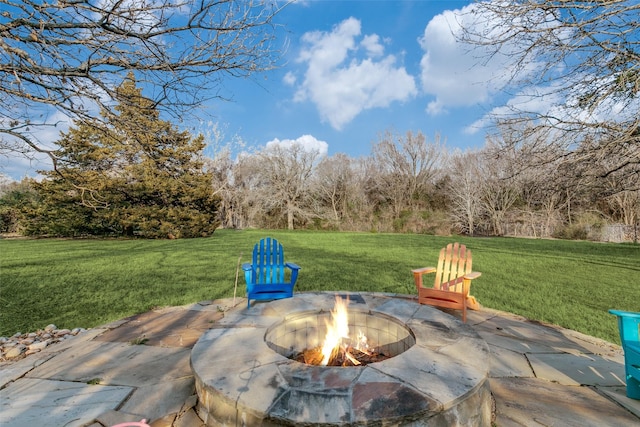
(86, 283)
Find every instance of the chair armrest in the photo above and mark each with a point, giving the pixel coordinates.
(472, 275)
(417, 275)
(294, 271)
(292, 266)
(424, 270)
(629, 314)
(628, 325)
(247, 266)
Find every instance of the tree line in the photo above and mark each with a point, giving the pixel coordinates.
(145, 178)
(411, 183)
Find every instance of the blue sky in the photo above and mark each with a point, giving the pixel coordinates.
(353, 70)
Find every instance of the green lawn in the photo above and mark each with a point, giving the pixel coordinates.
(86, 283)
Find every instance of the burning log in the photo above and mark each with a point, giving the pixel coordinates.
(338, 349)
(348, 357)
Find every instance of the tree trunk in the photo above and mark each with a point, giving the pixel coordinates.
(289, 216)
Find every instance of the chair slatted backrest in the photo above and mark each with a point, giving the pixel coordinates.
(454, 262)
(268, 262)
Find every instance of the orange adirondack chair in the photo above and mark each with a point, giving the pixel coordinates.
(452, 281)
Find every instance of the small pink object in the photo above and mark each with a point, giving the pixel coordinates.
(141, 423)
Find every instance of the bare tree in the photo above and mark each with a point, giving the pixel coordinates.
(623, 201)
(228, 178)
(221, 169)
(464, 190)
(285, 174)
(246, 192)
(625, 206)
(580, 59)
(498, 185)
(333, 182)
(542, 200)
(406, 167)
(485, 185)
(360, 211)
(64, 59)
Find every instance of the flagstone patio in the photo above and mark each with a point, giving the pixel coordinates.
(139, 368)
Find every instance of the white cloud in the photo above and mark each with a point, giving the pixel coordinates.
(18, 166)
(450, 70)
(344, 76)
(372, 44)
(306, 142)
(543, 100)
(551, 102)
(289, 79)
(459, 74)
(138, 16)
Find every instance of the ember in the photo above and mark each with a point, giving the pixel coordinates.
(349, 357)
(339, 349)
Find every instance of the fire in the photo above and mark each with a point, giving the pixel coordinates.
(337, 338)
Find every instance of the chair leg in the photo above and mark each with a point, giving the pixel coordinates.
(633, 388)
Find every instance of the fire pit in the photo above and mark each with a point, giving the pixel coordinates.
(324, 339)
(428, 368)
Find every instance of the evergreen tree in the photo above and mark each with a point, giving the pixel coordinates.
(141, 177)
(13, 197)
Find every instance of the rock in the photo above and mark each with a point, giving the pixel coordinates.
(22, 345)
(14, 352)
(37, 346)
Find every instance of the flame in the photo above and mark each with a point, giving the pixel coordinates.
(362, 344)
(337, 329)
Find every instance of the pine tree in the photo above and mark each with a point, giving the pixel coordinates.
(141, 177)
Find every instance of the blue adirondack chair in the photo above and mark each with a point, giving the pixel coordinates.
(266, 276)
(628, 325)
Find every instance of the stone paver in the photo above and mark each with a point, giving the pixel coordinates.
(508, 363)
(577, 369)
(619, 394)
(536, 402)
(168, 328)
(155, 401)
(127, 370)
(116, 364)
(31, 402)
(539, 374)
(11, 371)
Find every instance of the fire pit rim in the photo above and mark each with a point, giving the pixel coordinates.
(278, 383)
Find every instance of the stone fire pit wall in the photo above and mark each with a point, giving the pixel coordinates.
(441, 380)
